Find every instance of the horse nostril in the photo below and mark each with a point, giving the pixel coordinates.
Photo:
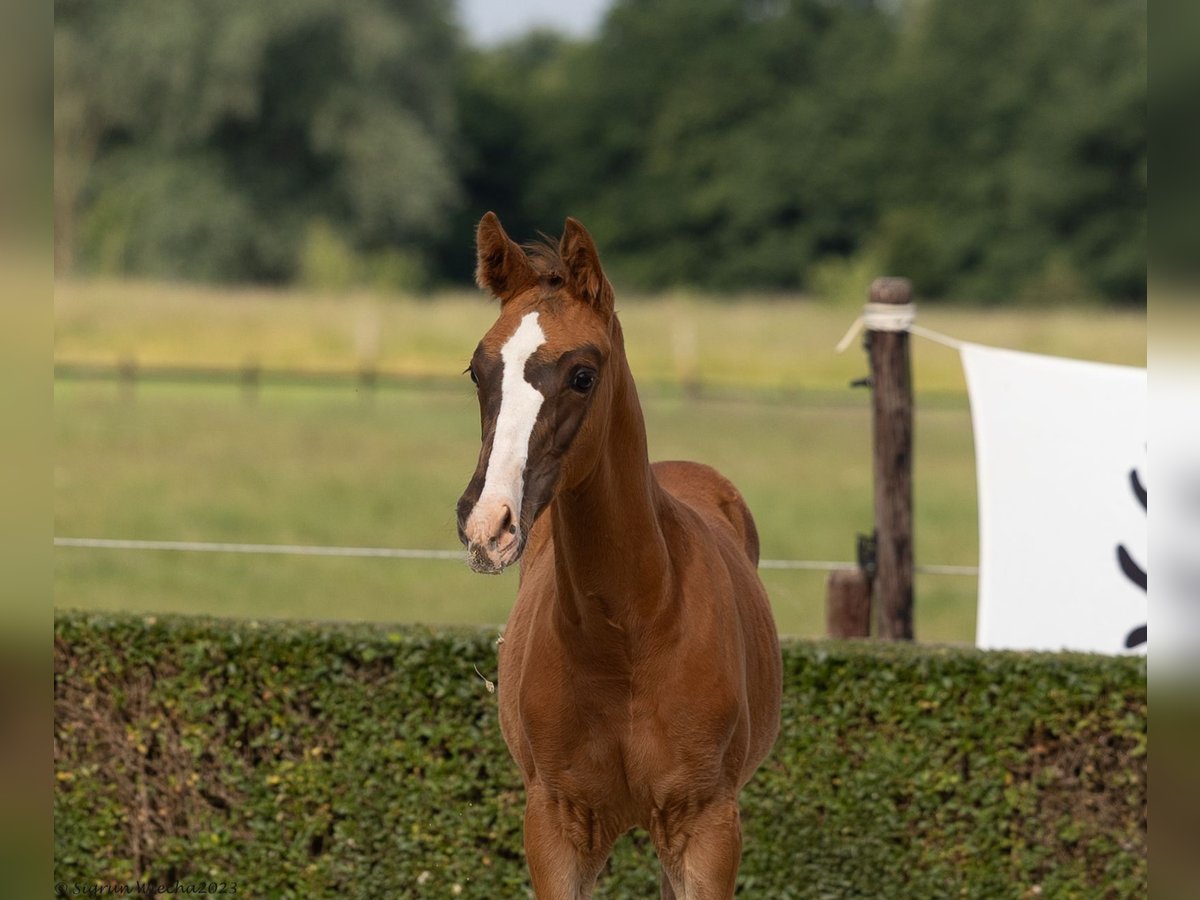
(507, 524)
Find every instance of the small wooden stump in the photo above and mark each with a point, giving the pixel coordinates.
(848, 604)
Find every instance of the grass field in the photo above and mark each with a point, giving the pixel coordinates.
(331, 466)
(778, 345)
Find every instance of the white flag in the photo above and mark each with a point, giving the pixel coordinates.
(1060, 449)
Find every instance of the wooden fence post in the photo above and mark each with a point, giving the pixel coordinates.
(892, 429)
(250, 375)
(848, 604)
(127, 376)
(368, 380)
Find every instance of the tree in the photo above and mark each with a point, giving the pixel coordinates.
(991, 152)
(229, 130)
(699, 139)
(1018, 149)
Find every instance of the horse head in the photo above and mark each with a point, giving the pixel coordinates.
(542, 376)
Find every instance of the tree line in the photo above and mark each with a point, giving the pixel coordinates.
(993, 152)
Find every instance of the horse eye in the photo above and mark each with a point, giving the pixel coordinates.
(583, 381)
(474, 378)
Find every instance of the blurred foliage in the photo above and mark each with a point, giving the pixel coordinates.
(1175, 127)
(321, 761)
(328, 263)
(991, 152)
(217, 135)
(988, 151)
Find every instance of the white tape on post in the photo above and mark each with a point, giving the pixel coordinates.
(881, 317)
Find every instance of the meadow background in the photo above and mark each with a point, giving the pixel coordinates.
(754, 388)
(293, 184)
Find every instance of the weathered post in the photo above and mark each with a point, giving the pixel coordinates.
(127, 376)
(368, 380)
(848, 604)
(367, 329)
(250, 376)
(892, 429)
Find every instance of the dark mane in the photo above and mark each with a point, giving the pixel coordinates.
(544, 255)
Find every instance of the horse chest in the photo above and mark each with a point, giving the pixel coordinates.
(612, 742)
(571, 723)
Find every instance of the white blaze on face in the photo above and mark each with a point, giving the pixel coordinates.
(520, 403)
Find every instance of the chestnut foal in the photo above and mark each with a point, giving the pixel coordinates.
(640, 671)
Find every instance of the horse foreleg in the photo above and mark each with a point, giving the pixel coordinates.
(564, 849)
(704, 865)
(664, 883)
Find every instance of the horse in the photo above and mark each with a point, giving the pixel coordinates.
(639, 673)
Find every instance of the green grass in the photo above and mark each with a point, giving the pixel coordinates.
(316, 466)
(329, 466)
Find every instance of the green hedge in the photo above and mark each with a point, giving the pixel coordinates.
(310, 760)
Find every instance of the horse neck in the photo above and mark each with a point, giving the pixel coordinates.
(611, 560)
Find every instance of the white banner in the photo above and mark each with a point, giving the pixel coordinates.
(1060, 449)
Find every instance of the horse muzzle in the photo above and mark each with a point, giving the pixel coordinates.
(492, 536)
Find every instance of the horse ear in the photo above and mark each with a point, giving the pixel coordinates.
(501, 266)
(585, 277)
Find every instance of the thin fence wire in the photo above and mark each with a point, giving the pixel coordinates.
(406, 553)
(251, 376)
